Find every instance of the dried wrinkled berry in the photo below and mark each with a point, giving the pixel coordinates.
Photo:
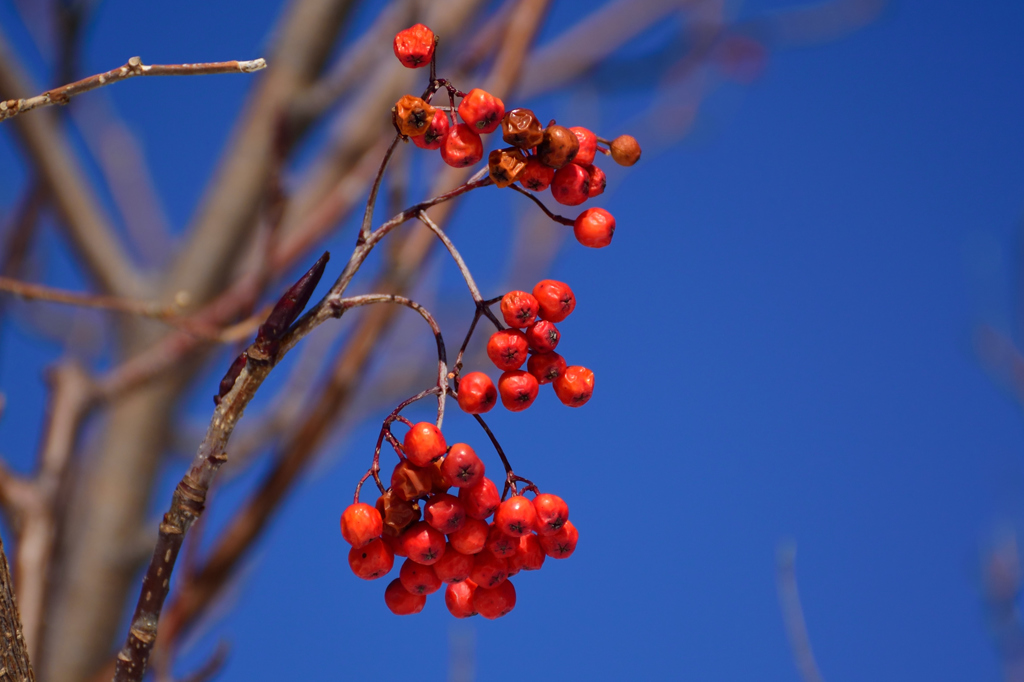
(505, 166)
(413, 116)
(521, 128)
(558, 147)
(625, 150)
(398, 514)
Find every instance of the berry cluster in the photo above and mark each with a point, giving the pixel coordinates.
(447, 539)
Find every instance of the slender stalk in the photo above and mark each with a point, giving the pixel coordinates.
(554, 216)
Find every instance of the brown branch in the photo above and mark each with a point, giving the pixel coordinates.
(13, 652)
(554, 216)
(793, 615)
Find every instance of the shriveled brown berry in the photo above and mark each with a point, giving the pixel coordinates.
(588, 146)
(570, 185)
(371, 561)
(414, 46)
(409, 481)
(494, 602)
(401, 601)
(435, 132)
(521, 128)
(536, 177)
(545, 367)
(413, 116)
(558, 147)
(575, 386)
(555, 298)
(398, 514)
(519, 309)
(505, 166)
(625, 150)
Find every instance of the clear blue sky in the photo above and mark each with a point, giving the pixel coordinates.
(782, 337)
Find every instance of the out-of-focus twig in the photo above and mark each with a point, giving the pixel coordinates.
(793, 614)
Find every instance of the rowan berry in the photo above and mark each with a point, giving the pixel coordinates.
(561, 544)
(558, 147)
(536, 177)
(598, 181)
(571, 185)
(453, 566)
(398, 514)
(462, 468)
(445, 513)
(371, 561)
(409, 481)
(555, 298)
(516, 516)
(595, 228)
(488, 570)
(471, 538)
(414, 46)
(500, 543)
(461, 147)
(419, 579)
(518, 389)
(481, 500)
(625, 150)
(459, 599)
(440, 485)
(423, 543)
(361, 523)
(507, 349)
(435, 132)
(519, 309)
(521, 128)
(529, 555)
(588, 146)
(423, 443)
(413, 116)
(552, 513)
(505, 166)
(494, 602)
(401, 601)
(394, 543)
(575, 386)
(545, 367)
(481, 110)
(477, 393)
(543, 336)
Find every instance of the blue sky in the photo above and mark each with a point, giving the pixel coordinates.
(782, 338)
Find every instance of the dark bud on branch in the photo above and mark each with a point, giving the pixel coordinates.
(287, 310)
(229, 379)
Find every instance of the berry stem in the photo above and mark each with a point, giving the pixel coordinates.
(554, 216)
(510, 477)
(364, 230)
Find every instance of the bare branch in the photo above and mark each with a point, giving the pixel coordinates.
(793, 614)
(13, 652)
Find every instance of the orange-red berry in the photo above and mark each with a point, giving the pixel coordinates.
(494, 602)
(529, 555)
(518, 389)
(419, 579)
(595, 228)
(545, 367)
(536, 177)
(435, 132)
(519, 309)
(453, 566)
(552, 513)
(414, 46)
(481, 110)
(477, 393)
(471, 538)
(423, 543)
(360, 524)
(461, 147)
(401, 601)
(423, 443)
(588, 146)
(371, 561)
(543, 336)
(562, 544)
(598, 181)
(516, 516)
(409, 481)
(500, 543)
(508, 348)
(480, 500)
(459, 599)
(571, 185)
(575, 386)
(488, 570)
(521, 128)
(462, 468)
(413, 115)
(394, 543)
(445, 513)
(625, 150)
(558, 147)
(555, 298)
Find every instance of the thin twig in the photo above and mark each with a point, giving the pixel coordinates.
(793, 614)
(554, 216)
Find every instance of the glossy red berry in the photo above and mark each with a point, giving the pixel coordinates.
(360, 524)
(461, 147)
(500, 543)
(571, 185)
(371, 561)
(445, 513)
(518, 389)
(588, 146)
(481, 110)
(536, 177)
(471, 538)
(562, 544)
(401, 601)
(458, 597)
(555, 298)
(435, 132)
(423, 543)
(543, 336)
(529, 555)
(507, 349)
(495, 602)
(598, 181)
(594, 228)
(409, 481)
(545, 367)
(453, 566)
(419, 579)
(552, 513)
(519, 309)
(516, 516)
(462, 468)
(477, 393)
(481, 500)
(488, 570)
(414, 46)
(423, 443)
(575, 386)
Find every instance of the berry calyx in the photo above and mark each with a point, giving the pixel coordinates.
(545, 367)
(458, 597)
(454, 566)
(519, 309)
(419, 579)
(401, 601)
(414, 46)
(481, 500)
(536, 177)
(462, 468)
(625, 150)
(423, 543)
(471, 538)
(551, 513)
(575, 386)
(481, 110)
(360, 524)
(558, 147)
(413, 116)
(543, 336)
(555, 298)
(521, 128)
(508, 348)
(445, 513)
(494, 602)
(588, 146)
(477, 393)
(423, 444)
(518, 389)
(488, 570)
(461, 146)
(562, 544)
(595, 228)
(505, 166)
(571, 185)
(435, 132)
(499, 543)
(516, 516)
(371, 561)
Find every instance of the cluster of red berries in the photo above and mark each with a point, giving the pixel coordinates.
(476, 558)
(539, 157)
(531, 339)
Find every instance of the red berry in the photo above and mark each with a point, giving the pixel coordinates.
(545, 367)
(481, 500)
(401, 601)
(516, 516)
(555, 298)
(588, 146)
(495, 602)
(477, 393)
(536, 177)
(459, 599)
(461, 147)
(575, 386)
(562, 544)
(552, 513)
(409, 481)
(423, 544)
(471, 538)
(542, 336)
(435, 132)
(481, 110)
(414, 46)
(598, 181)
(412, 115)
(394, 543)
(570, 185)
(419, 579)
(462, 468)
(519, 309)
(594, 228)
(529, 555)
(518, 389)
(507, 349)
(371, 561)
(360, 524)
(445, 513)
(423, 443)
(488, 570)
(499, 543)
(453, 566)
